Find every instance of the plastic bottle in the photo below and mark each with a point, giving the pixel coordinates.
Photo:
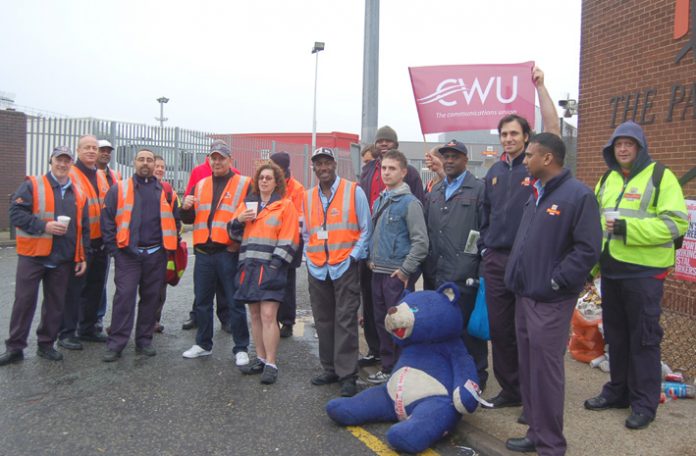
(679, 389)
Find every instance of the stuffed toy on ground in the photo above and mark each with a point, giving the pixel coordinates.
(432, 385)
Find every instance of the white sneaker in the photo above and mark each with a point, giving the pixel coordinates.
(241, 358)
(196, 351)
(378, 378)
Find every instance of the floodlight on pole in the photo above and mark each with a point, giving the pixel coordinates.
(318, 47)
(161, 118)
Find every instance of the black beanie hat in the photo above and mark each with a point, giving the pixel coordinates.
(282, 159)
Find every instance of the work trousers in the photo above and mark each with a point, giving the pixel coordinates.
(501, 319)
(334, 306)
(209, 270)
(369, 328)
(30, 273)
(542, 336)
(287, 310)
(631, 319)
(141, 274)
(386, 293)
(84, 295)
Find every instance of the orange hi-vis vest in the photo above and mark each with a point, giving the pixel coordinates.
(295, 192)
(95, 201)
(273, 232)
(44, 208)
(235, 191)
(124, 211)
(115, 177)
(339, 223)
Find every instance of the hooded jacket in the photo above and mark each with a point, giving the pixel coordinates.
(647, 248)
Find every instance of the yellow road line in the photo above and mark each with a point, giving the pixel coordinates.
(380, 448)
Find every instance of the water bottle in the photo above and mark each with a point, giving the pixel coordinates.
(679, 389)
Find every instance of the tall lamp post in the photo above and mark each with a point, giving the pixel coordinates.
(318, 47)
(161, 118)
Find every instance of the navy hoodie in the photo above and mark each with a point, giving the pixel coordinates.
(559, 239)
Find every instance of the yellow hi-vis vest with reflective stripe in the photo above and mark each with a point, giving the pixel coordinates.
(650, 230)
(124, 211)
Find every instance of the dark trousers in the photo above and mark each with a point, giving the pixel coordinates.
(30, 273)
(631, 319)
(287, 310)
(211, 269)
(160, 301)
(83, 297)
(222, 309)
(542, 336)
(335, 308)
(141, 274)
(369, 328)
(501, 319)
(478, 349)
(386, 293)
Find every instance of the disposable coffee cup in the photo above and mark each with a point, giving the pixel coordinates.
(610, 216)
(64, 220)
(253, 205)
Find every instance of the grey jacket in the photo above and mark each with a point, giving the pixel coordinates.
(453, 254)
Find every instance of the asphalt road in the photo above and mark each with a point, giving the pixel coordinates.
(168, 405)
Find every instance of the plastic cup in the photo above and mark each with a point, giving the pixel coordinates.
(610, 216)
(64, 220)
(253, 205)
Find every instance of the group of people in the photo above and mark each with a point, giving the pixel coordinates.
(529, 228)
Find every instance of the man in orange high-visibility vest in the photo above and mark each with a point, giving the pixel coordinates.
(139, 226)
(52, 227)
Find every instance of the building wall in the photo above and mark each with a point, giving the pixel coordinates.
(335, 139)
(13, 136)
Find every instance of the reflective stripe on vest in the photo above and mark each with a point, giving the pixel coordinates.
(233, 193)
(274, 232)
(94, 201)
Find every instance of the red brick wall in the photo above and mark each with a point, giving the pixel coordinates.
(13, 134)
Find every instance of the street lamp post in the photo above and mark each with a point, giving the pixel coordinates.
(318, 47)
(161, 118)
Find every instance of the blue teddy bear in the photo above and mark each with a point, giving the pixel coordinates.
(433, 383)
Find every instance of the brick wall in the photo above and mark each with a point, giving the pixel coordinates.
(13, 134)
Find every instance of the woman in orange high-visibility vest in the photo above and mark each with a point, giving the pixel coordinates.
(270, 238)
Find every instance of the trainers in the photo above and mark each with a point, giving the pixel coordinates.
(49, 353)
(270, 374)
(286, 331)
(241, 358)
(253, 368)
(378, 378)
(369, 360)
(196, 351)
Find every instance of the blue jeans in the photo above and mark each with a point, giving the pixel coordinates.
(208, 270)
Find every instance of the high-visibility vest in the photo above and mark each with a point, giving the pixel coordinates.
(44, 208)
(124, 212)
(340, 221)
(274, 231)
(650, 230)
(115, 177)
(235, 191)
(95, 201)
(295, 192)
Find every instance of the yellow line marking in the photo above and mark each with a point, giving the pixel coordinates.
(380, 448)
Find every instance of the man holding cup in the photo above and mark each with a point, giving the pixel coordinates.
(52, 228)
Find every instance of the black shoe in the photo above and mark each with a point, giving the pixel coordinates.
(70, 343)
(369, 360)
(49, 353)
(348, 387)
(286, 331)
(601, 403)
(501, 401)
(93, 337)
(521, 445)
(11, 357)
(638, 421)
(270, 375)
(189, 324)
(254, 367)
(325, 378)
(522, 419)
(147, 351)
(110, 356)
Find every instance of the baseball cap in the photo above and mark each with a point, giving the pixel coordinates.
(455, 146)
(105, 143)
(62, 150)
(221, 148)
(323, 152)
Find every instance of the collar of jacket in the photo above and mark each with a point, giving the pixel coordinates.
(467, 182)
(556, 182)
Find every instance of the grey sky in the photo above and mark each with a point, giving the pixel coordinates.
(245, 66)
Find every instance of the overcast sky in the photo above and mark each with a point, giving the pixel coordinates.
(246, 66)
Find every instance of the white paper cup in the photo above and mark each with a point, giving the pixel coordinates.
(64, 220)
(253, 205)
(610, 216)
